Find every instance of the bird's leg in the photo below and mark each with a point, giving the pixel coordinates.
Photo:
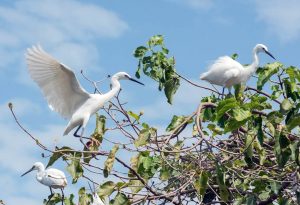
(50, 195)
(75, 133)
(229, 92)
(223, 93)
(81, 137)
(62, 197)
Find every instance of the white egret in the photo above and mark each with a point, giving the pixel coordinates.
(227, 72)
(63, 92)
(53, 178)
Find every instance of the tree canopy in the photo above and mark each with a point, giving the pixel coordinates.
(233, 149)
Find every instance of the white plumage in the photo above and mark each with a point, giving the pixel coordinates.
(50, 177)
(62, 90)
(97, 200)
(227, 72)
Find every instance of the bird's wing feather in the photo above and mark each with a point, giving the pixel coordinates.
(55, 177)
(57, 82)
(216, 72)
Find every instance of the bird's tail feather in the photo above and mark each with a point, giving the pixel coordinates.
(203, 76)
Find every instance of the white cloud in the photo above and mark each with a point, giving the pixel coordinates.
(281, 17)
(59, 26)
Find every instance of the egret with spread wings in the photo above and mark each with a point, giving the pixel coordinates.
(63, 92)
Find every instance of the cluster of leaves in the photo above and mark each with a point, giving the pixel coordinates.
(241, 149)
(155, 63)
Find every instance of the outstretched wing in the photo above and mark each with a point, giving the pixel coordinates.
(222, 70)
(57, 82)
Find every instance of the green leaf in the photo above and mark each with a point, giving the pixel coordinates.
(156, 40)
(177, 121)
(84, 198)
(286, 105)
(165, 173)
(136, 185)
(96, 138)
(53, 158)
(234, 56)
(260, 133)
(68, 200)
(275, 187)
(295, 146)
(144, 136)
(293, 122)
(267, 72)
(224, 106)
(147, 165)
(249, 149)
(232, 124)
(239, 201)
(75, 169)
(56, 155)
(108, 164)
(171, 86)
(215, 129)
(133, 115)
(251, 200)
(282, 149)
(201, 183)
(140, 51)
(298, 196)
(289, 87)
(240, 114)
(106, 189)
(224, 194)
(53, 199)
(275, 117)
(121, 199)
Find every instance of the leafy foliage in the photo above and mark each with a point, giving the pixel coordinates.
(241, 149)
(155, 63)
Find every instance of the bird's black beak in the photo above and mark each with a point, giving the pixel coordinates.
(27, 171)
(134, 80)
(267, 52)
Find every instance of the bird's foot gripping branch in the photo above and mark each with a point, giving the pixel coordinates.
(240, 149)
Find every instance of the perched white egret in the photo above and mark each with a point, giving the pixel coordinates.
(227, 72)
(63, 92)
(53, 178)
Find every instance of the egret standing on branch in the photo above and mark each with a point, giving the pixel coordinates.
(227, 72)
(53, 178)
(63, 92)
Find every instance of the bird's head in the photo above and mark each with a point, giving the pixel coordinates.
(36, 166)
(262, 48)
(125, 76)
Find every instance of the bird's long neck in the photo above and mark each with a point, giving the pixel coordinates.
(254, 65)
(115, 87)
(40, 173)
(255, 62)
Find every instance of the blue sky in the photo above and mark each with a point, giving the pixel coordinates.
(99, 37)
